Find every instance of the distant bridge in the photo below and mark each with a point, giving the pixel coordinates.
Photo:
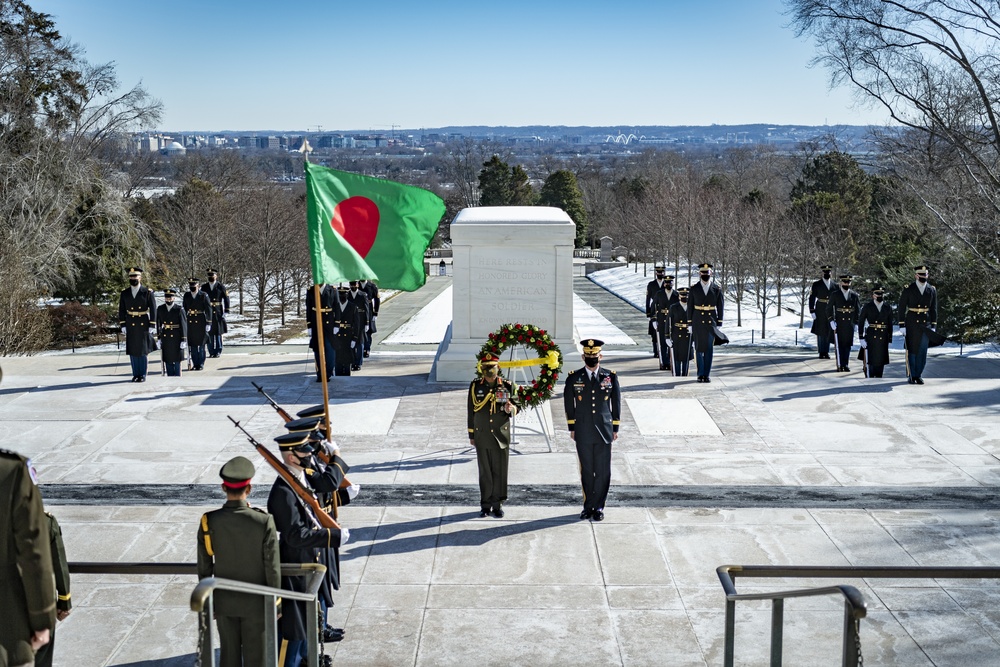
(623, 139)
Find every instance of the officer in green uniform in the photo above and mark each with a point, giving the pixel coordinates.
(27, 582)
(490, 407)
(63, 605)
(239, 542)
(592, 399)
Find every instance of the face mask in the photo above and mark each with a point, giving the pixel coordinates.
(878, 299)
(591, 361)
(683, 299)
(133, 281)
(705, 277)
(169, 301)
(922, 279)
(193, 288)
(669, 285)
(845, 287)
(826, 274)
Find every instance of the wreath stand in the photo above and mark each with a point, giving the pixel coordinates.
(519, 375)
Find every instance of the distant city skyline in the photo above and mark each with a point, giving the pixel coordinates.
(223, 65)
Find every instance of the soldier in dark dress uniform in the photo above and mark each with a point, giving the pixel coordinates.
(27, 581)
(842, 311)
(301, 540)
(705, 304)
(360, 299)
(592, 400)
(679, 326)
(218, 295)
(371, 289)
(172, 331)
(875, 333)
(137, 318)
(663, 299)
(652, 287)
(198, 309)
(327, 298)
(819, 297)
(917, 315)
(347, 329)
(239, 542)
(64, 605)
(490, 408)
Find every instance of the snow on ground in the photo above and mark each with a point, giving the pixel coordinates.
(782, 328)
(431, 323)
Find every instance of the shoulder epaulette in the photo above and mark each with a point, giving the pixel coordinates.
(257, 509)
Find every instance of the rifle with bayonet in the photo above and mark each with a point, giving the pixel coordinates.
(320, 454)
(324, 519)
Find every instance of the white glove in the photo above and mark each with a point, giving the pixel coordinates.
(669, 342)
(152, 327)
(352, 344)
(336, 330)
(331, 448)
(902, 331)
(374, 317)
(833, 325)
(123, 329)
(183, 345)
(353, 490)
(863, 343)
(208, 329)
(345, 534)
(366, 328)
(932, 327)
(655, 326)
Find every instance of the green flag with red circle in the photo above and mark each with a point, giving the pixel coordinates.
(362, 227)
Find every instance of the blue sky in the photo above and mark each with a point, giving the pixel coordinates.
(295, 64)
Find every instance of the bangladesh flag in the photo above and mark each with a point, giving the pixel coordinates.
(363, 227)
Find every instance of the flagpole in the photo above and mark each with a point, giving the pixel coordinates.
(317, 293)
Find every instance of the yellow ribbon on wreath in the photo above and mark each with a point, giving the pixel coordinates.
(551, 360)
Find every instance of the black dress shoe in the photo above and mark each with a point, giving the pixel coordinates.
(663, 368)
(332, 634)
(707, 379)
(910, 381)
(134, 379)
(498, 512)
(355, 367)
(142, 378)
(483, 513)
(919, 380)
(585, 514)
(598, 515)
(366, 355)
(847, 369)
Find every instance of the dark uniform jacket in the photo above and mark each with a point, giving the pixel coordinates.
(136, 314)
(916, 312)
(660, 307)
(652, 287)
(171, 328)
(218, 296)
(364, 305)
(325, 479)
(490, 424)
(371, 289)
(819, 299)
(679, 331)
(843, 310)
(875, 326)
(327, 296)
(300, 540)
(704, 311)
(238, 542)
(198, 310)
(350, 321)
(27, 582)
(593, 409)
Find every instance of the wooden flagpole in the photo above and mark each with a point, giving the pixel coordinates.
(317, 294)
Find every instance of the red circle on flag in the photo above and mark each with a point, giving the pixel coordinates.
(356, 219)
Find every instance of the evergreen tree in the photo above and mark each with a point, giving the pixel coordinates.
(503, 185)
(562, 191)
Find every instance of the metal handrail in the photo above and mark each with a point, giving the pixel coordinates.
(855, 607)
(202, 599)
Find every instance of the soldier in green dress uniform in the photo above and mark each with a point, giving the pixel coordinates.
(490, 408)
(63, 603)
(27, 582)
(239, 542)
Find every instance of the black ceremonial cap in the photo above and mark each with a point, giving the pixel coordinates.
(134, 271)
(237, 472)
(921, 269)
(169, 292)
(683, 291)
(298, 442)
(314, 411)
(878, 290)
(826, 267)
(211, 272)
(193, 281)
(303, 425)
(846, 278)
(592, 346)
(704, 267)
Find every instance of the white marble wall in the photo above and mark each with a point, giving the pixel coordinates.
(511, 264)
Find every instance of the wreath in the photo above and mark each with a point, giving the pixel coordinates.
(530, 336)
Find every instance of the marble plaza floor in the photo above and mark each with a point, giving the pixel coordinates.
(785, 462)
